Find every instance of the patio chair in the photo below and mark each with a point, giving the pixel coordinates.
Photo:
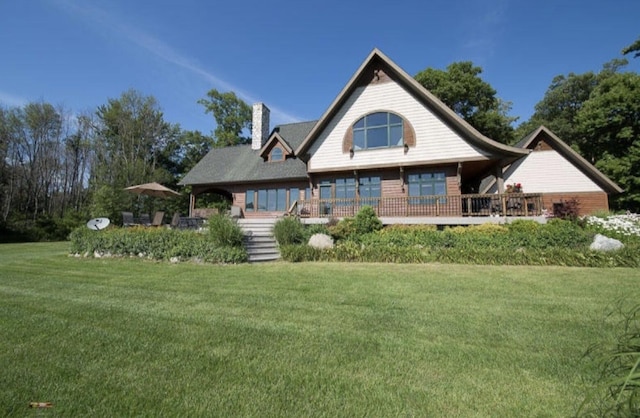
(235, 212)
(157, 219)
(175, 221)
(127, 219)
(145, 219)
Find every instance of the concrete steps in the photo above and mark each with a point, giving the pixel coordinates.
(259, 241)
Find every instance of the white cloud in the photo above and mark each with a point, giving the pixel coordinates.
(111, 23)
(11, 100)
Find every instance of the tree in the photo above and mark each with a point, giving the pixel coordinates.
(461, 88)
(131, 137)
(610, 123)
(563, 100)
(634, 47)
(193, 147)
(232, 116)
(560, 105)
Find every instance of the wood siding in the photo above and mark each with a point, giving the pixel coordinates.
(434, 140)
(548, 172)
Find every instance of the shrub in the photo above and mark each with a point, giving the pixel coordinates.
(354, 228)
(154, 243)
(569, 209)
(299, 253)
(310, 230)
(224, 231)
(366, 221)
(289, 230)
(343, 230)
(564, 233)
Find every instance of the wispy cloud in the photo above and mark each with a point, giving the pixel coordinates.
(11, 100)
(487, 19)
(111, 23)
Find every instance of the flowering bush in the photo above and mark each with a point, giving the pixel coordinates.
(514, 188)
(622, 224)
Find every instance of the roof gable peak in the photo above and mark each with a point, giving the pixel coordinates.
(378, 60)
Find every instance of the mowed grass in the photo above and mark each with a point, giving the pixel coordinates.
(125, 337)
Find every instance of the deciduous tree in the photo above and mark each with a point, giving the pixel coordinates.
(610, 123)
(462, 89)
(232, 116)
(634, 47)
(131, 136)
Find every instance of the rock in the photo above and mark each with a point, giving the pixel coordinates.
(602, 243)
(174, 260)
(321, 241)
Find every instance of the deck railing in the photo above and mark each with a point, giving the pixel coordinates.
(510, 204)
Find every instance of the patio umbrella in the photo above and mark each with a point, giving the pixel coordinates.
(152, 189)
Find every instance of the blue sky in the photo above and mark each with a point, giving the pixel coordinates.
(294, 56)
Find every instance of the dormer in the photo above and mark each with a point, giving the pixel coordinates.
(276, 149)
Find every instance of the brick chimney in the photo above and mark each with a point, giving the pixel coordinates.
(260, 126)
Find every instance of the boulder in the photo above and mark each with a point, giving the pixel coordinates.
(602, 243)
(321, 241)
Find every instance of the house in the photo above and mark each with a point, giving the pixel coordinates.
(386, 142)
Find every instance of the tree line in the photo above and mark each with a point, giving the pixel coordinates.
(58, 169)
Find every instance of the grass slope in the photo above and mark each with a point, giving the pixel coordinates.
(124, 337)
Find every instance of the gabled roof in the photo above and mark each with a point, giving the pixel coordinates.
(289, 135)
(241, 164)
(568, 153)
(468, 132)
(295, 133)
(576, 159)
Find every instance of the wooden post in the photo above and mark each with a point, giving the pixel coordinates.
(192, 204)
(500, 185)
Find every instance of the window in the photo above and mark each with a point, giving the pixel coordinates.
(248, 201)
(345, 191)
(262, 200)
(325, 196)
(427, 184)
(369, 190)
(378, 130)
(294, 194)
(271, 200)
(276, 154)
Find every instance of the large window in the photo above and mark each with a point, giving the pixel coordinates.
(345, 191)
(378, 130)
(427, 184)
(268, 200)
(369, 190)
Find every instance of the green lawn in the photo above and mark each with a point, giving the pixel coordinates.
(124, 337)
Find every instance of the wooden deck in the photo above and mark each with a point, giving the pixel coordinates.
(416, 208)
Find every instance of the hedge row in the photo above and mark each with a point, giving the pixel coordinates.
(354, 252)
(558, 242)
(154, 243)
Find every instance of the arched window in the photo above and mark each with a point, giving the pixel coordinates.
(276, 154)
(378, 130)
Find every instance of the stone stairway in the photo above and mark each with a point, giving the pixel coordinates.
(259, 240)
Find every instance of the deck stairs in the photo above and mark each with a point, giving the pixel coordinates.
(259, 240)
